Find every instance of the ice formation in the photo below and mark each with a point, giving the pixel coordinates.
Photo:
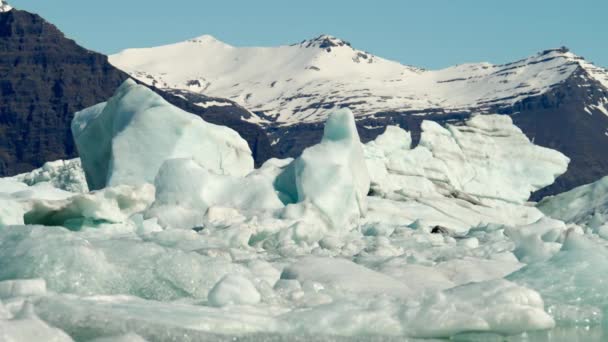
(332, 176)
(185, 191)
(573, 281)
(488, 157)
(127, 139)
(443, 246)
(585, 205)
(62, 174)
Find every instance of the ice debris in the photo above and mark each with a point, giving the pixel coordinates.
(297, 247)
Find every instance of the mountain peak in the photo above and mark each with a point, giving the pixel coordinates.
(324, 41)
(206, 39)
(560, 50)
(4, 6)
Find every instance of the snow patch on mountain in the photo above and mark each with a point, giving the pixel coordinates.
(4, 6)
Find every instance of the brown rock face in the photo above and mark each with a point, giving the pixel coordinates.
(44, 79)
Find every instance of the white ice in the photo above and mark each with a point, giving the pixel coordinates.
(126, 140)
(445, 246)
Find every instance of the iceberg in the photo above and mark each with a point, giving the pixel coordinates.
(186, 190)
(586, 205)
(332, 176)
(486, 158)
(127, 139)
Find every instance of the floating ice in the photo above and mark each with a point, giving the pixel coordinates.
(233, 290)
(495, 306)
(62, 174)
(345, 275)
(114, 204)
(185, 190)
(332, 175)
(572, 282)
(22, 288)
(296, 248)
(126, 140)
(585, 205)
(30, 330)
(488, 157)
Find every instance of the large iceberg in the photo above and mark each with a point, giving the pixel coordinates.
(332, 176)
(487, 157)
(459, 177)
(127, 139)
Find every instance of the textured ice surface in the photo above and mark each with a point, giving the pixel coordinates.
(115, 204)
(498, 306)
(233, 290)
(126, 140)
(332, 176)
(62, 174)
(573, 281)
(186, 190)
(488, 157)
(585, 205)
(296, 251)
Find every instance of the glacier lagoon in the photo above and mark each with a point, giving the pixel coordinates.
(376, 242)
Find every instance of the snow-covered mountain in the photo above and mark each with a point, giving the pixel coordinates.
(557, 98)
(303, 82)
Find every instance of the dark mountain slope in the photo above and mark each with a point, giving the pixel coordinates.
(46, 77)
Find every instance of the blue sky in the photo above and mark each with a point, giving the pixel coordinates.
(425, 33)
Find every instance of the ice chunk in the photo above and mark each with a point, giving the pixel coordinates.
(153, 320)
(113, 260)
(121, 338)
(22, 288)
(11, 185)
(572, 282)
(185, 190)
(344, 275)
(488, 157)
(495, 306)
(4, 312)
(585, 205)
(30, 330)
(233, 290)
(455, 214)
(16, 198)
(127, 140)
(114, 204)
(538, 241)
(332, 175)
(62, 174)
(11, 212)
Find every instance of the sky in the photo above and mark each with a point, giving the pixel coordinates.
(425, 33)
